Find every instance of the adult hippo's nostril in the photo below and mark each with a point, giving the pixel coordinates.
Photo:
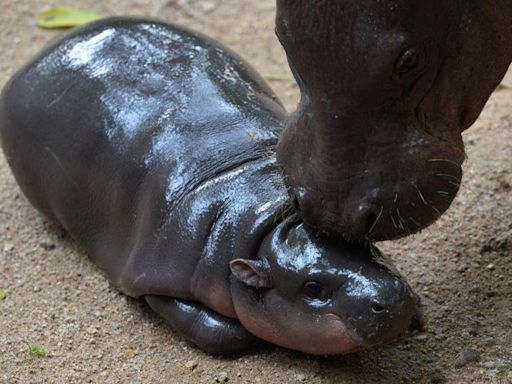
(365, 220)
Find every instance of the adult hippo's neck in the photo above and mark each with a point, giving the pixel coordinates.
(374, 150)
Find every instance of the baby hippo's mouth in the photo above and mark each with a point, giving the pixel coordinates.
(348, 340)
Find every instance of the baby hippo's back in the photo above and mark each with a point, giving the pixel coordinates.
(113, 127)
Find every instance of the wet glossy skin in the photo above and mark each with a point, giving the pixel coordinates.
(374, 149)
(332, 297)
(154, 148)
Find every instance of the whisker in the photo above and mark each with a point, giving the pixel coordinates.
(444, 193)
(455, 184)
(444, 161)
(421, 194)
(399, 215)
(401, 224)
(376, 220)
(415, 222)
(435, 209)
(284, 214)
(447, 199)
(393, 220)
(448, 176)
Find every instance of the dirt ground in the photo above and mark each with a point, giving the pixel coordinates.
(57, 299)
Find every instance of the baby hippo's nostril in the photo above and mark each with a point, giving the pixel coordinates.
(378, 308)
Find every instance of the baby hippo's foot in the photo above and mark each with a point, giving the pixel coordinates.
(207, 329)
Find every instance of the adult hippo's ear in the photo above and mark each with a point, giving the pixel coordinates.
(476, 57)
(253, 273)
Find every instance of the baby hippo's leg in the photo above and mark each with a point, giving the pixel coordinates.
(207, 329)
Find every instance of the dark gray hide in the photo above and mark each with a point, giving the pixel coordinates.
(154, 148)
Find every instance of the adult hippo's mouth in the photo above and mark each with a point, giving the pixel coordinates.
(374, 149)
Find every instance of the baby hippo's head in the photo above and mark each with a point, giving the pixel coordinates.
(321, 295)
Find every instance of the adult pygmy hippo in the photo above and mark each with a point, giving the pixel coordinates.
(374, 149)
(154, 147)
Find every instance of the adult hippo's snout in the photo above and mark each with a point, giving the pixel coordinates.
(374, 148)
(382, 186)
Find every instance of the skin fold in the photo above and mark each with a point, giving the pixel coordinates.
(374, 149)
(155, 148)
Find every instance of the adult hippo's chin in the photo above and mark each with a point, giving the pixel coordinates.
(374, 150)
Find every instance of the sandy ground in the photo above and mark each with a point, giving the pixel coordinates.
(57, 299)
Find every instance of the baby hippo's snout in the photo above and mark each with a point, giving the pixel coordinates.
(378, 305)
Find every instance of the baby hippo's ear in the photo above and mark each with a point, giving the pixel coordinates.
(250, 272)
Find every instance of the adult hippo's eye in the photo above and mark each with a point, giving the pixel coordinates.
(315, 291)
(409, 61)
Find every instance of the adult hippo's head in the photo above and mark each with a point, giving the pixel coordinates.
(374, 149)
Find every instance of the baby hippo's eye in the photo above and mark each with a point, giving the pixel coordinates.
(315, 291)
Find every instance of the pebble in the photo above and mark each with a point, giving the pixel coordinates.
(191, 364)
(208, 7)
(496, 364)
(47, 244)
(489, 364)
(301, 377)
(490, 374)
(422, 337)
(468, 356)
(490, 267)
(223, 377)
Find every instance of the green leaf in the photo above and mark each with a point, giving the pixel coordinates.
(272, 77)
(65, 17)
(3, 295)
(36, 350)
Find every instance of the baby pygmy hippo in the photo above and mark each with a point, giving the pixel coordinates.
(154, 147)
(313, 294)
